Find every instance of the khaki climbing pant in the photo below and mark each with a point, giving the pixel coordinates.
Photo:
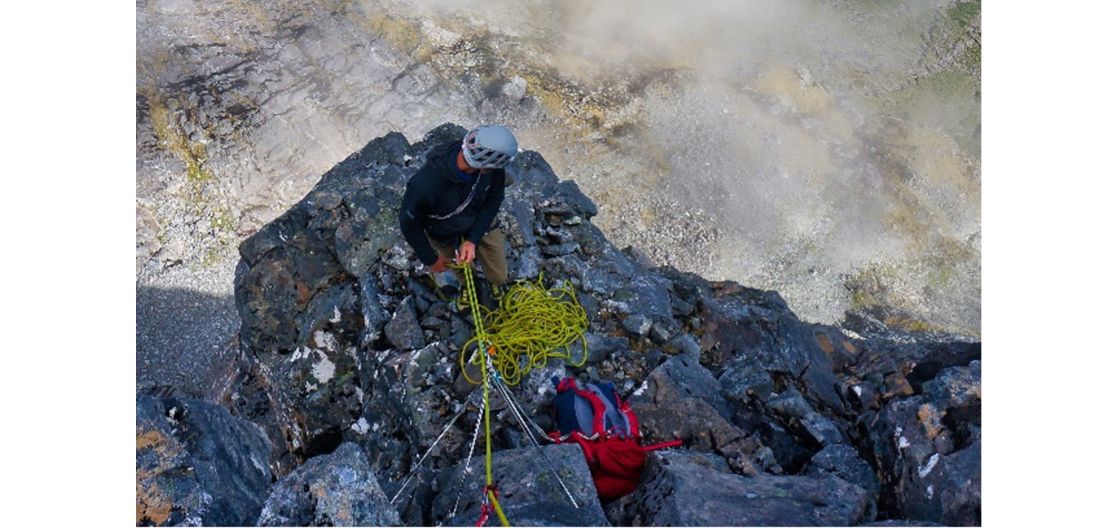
(490, 253)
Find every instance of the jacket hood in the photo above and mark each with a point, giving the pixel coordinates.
(441, 158)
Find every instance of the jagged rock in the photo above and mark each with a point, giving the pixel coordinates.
(304, 310)
(900, 522)
(916, 356)
(680, 489)
(536, 390)
(842, 350)
(957, 487)
(374, 316)
(339, 489)
(790, 404)
(569, 267)
(789, 448)
(862, 395)
(568, 192)
(197, 465)
(660, 334)
(600, 346)
(403, 329)
(713, 363)
(843, 461)
(823, 430)
(645, 294)
(528, 492)
(685, 344)
(929, 458)
(955, 387)
(560, 250)
(681, 399)
(638, 325)
(758, 330)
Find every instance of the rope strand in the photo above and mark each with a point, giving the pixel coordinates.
(531, 325)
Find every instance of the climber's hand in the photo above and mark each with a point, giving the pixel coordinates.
(465, 253)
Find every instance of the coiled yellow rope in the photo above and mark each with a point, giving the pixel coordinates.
(531, 325)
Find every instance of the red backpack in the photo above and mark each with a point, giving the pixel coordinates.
(595, 417)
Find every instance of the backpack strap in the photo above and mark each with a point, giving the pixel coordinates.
(662, 445)
(631, 420)
(598, 410)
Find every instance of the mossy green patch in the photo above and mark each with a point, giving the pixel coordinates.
(964, 12)
(222, 220)
(213, 255)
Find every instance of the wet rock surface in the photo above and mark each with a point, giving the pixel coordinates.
(344, 344)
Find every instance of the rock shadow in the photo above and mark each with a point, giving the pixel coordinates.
(185, 341)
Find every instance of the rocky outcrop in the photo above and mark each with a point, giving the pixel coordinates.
(927, 448)
(344, 341)
(681, 399)
(197, 465)
(693, 489)
(529, 492)
(339, 489)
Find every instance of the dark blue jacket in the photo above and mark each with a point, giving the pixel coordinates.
(439, 203)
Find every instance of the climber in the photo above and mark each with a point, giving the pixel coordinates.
(451, 203)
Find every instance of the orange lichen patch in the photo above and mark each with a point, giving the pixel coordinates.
(930, 418)
(303, 293)
(897, 385)
(849, 346)
(344, 513)
(825, 344)
(155, 440)
(152, 505)
(148, 439)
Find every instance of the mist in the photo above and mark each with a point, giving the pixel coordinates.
(828, 150)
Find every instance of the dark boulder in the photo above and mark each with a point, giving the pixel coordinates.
(197, 465)
(928, 450)
(681, 488)
(304, 311)
(339, 489)
(900, 522)
(844, 462)
(681, 400)
(600, 346)
(403, 330)
(529, 492)
(758, 331)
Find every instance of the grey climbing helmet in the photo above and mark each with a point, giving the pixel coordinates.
(489, 146)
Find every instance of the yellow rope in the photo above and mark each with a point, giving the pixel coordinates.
(480, 339)
(498, 508)
(531, 325)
